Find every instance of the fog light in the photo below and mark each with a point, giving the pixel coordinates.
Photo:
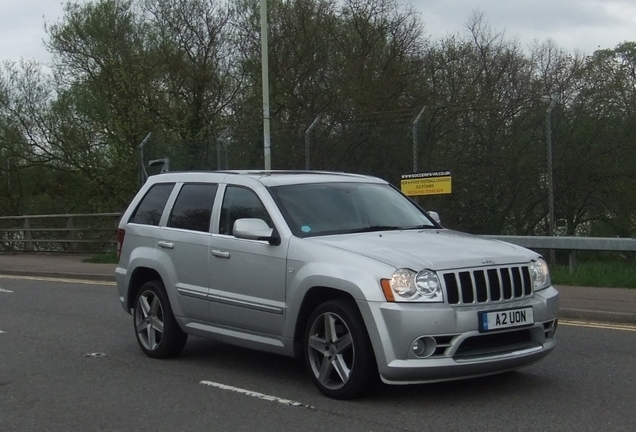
(419, 347)
(424, 347)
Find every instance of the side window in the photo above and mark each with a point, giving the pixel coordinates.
(193, 207)
(239, 203)
(149, 210)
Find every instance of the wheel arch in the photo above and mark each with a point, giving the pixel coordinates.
(140, 276)
(314, 297)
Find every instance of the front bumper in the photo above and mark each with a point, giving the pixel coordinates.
(461, 351)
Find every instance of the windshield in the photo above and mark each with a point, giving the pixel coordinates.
(341, 208)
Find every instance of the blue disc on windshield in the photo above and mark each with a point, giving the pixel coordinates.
(305, 229)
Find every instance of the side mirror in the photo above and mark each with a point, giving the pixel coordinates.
(435, 216)
(253, 229)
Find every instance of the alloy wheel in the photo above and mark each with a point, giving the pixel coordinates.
(331, 350)
(149, 321)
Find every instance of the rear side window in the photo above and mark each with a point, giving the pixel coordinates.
(149, 210)
(193, 207)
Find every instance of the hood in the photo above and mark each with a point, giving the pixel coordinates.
(434, 249)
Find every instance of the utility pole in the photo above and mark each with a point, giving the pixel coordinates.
(265, 76)
(548, 138)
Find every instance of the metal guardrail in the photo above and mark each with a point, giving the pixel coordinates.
(571, 244)
(97, 231)
(104, 232)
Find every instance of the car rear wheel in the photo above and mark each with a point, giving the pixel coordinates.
(157, 331)
(338, 352)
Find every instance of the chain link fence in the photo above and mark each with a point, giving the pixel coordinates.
(500, 166)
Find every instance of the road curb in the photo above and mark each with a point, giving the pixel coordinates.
(59, 275)
(596, 315)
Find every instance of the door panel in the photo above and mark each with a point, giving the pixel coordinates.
(188, 254)
(185, 242)
(247, 277)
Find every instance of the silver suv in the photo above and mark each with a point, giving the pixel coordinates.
(340, 270)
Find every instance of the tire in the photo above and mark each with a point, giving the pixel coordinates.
(156, 329)
(338, 353)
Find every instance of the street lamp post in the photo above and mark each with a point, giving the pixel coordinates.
(265, 76)
(548, 138)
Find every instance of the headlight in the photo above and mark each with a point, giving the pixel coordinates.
(540, 274)
(406, 285)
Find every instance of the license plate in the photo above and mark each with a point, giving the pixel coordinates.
(505, 319)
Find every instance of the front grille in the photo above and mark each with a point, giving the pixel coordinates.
(487, 285)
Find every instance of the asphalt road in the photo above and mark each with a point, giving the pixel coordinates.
(69, 362)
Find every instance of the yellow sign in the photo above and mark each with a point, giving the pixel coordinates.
(431, 183)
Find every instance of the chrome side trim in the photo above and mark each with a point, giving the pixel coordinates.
(192, 293)
(245, 304)
(227, 301)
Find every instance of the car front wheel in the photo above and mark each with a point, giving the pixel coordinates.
(157, 331)
(338, 352)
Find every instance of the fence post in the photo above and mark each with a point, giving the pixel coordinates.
(28, 244)
(72, 246)
(572, 261)
(308, 142)
(415, 144)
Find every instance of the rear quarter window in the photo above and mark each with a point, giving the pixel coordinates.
(150, 209)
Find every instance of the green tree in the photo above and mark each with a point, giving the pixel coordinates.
(482, 124)
(196, 43)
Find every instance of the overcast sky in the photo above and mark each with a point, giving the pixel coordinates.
(585, 25)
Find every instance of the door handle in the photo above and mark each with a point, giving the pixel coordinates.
(220, 253)
(165, 244)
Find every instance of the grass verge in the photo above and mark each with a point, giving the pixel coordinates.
(105, 258)
(612, 274)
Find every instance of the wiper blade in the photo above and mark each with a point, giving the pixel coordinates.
(374, 228)
(416, 227)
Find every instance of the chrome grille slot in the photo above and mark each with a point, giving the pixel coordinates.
(480, 286)
(487, 285)
(452, 291)
(466, 285)
(506, 283)
(516, 282)
(495, 285)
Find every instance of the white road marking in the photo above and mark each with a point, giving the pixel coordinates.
(67, 280)
(4, 291)
(256, 394)
(623, 327)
